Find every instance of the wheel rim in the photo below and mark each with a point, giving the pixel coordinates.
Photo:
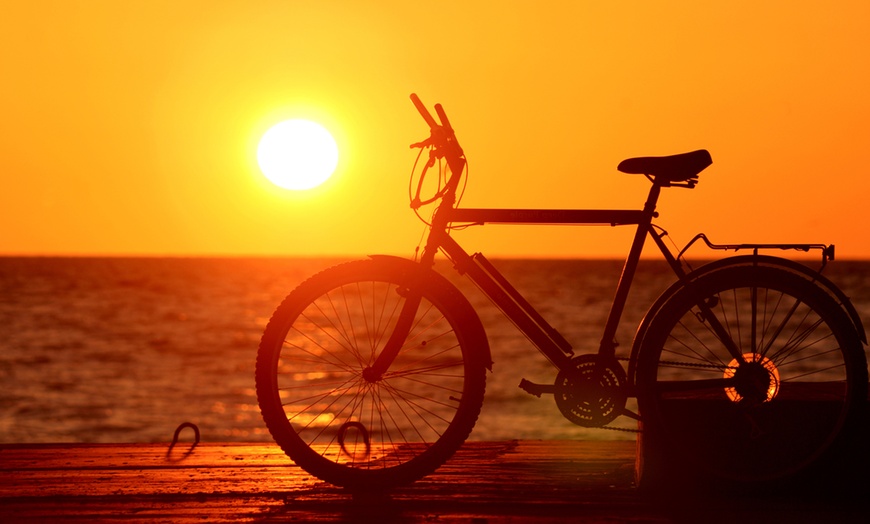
(337, 410)
(767, 412)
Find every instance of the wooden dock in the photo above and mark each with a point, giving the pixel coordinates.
(515, 481)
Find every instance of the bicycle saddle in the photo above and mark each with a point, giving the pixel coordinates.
(674, 168)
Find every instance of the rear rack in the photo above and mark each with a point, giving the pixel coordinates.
(827, 250)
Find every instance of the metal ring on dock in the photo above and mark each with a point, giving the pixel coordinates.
(175, 439)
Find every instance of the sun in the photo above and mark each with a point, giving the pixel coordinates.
(297, 154)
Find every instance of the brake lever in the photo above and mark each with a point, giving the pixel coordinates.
(421, 145)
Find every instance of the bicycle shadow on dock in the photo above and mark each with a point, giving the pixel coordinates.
(577, 482)
(835, 488)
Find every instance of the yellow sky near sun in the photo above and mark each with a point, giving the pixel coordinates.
(131, 127)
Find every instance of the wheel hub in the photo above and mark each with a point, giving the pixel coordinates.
(369, 375)
(756, 377)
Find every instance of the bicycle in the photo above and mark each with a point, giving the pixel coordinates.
(371, 374)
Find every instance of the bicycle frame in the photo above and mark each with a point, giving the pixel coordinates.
(546, 338)
(523, 315)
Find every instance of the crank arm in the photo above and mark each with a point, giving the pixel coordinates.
(537, 389)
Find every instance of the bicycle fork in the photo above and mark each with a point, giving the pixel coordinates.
(397, 338)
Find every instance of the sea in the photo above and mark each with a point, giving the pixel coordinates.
(124, 350)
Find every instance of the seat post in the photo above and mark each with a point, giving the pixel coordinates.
(652, 198)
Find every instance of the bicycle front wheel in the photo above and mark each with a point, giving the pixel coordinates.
(338, 422)
(750, 373)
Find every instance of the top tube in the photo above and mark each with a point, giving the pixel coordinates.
(546, 216)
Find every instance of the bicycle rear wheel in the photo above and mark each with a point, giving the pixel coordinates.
(347, 428)
(750, 373)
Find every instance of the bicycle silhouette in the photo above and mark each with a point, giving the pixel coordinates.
(371, 374)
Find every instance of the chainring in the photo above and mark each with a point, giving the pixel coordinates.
(591, 392)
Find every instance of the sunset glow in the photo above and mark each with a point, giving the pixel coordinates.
(133, 128)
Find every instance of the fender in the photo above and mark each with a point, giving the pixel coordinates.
(645, 323)
(479, 349)
(745, 260)
(844, 301)
(803, 271)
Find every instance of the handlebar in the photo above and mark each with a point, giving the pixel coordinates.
(443, 141)
(442, 136)
(443, 116)
(424, 112)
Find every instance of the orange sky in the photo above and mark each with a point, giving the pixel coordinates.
(130, 128)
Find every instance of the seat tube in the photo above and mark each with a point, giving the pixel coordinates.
(608, 343)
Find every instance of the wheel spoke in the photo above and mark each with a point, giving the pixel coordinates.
(671, 386)
(774, 408)
(325, 406)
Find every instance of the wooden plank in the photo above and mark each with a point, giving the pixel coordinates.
(145, 469)
(137, 469)
(516, 481)
(235, 481)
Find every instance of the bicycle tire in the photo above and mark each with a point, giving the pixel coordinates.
(339, 426)
(796, 390)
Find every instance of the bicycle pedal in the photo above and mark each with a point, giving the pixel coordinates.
(537, 389)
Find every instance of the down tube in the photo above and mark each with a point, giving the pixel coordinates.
(534, 331)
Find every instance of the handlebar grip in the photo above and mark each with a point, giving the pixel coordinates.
(443, 116)
(423, 111)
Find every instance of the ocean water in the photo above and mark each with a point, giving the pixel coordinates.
(126, 349)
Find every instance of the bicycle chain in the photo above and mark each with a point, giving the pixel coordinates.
(626, 430)
(685, 364)
(668, 362)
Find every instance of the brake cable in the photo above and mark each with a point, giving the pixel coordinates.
(416, 203)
